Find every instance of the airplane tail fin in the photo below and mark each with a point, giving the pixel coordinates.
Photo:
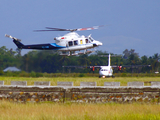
(16, 41)
(109, 61)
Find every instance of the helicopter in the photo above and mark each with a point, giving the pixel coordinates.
(67, 44)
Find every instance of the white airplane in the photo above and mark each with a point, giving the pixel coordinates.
(107, 71)
(67, 44)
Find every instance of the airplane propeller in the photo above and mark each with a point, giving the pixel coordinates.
(71, 30)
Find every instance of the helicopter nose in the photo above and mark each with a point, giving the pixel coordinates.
(97, 43)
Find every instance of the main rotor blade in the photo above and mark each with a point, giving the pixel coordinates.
(71, 30)
(89, 28)
(58, 29)
(54, 29)
(43, 30)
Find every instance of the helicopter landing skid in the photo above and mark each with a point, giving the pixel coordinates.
(86, 52)
(74, 53)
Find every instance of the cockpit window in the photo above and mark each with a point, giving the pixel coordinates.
(91, 39)
(86, 40)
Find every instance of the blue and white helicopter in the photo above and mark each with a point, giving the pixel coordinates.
(68, 44)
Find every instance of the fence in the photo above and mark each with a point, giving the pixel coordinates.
(87, 92)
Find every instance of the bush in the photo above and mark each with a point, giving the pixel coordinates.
(24, 74)
(32, 74)
(123, 75)
(39, 74)
(1, 72)
(81, 75)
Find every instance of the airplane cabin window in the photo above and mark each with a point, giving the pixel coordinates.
(70, 43)
(76, 42)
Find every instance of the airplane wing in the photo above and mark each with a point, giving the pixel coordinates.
(114, 66)
(92, 68)
(81, 66)
(75, 66)
(129, 66)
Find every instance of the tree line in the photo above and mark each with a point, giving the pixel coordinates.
(52, 62)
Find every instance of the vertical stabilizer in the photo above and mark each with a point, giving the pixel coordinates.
(19, 44)
(16, 41)
(109, 60)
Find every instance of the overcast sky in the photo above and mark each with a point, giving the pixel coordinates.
(132, 24)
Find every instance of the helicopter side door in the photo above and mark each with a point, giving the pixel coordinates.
(78, 44)
(73, 45)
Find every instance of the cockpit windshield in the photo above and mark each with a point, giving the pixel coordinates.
(91, 39)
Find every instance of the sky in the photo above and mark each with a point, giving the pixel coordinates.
(130, 24)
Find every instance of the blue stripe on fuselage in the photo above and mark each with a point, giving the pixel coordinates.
(50, 46)
(57, 46)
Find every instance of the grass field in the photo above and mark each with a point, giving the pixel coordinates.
(75, 111)
(76, 80)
